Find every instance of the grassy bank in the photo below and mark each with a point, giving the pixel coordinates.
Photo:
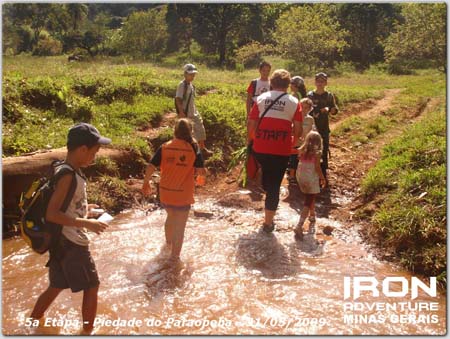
(409, 185)
(44, 96)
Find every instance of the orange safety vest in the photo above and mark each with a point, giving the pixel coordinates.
(177, 173)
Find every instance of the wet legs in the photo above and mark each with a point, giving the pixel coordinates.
(174, 229)
(44, 301)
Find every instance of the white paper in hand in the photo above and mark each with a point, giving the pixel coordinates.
(105, 217)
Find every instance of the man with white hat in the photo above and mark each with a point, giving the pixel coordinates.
(185, 105)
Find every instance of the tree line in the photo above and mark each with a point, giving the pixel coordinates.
(402, 36)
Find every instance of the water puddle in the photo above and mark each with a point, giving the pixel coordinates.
(234, 279)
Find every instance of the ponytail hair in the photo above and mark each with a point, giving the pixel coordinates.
(302, 90)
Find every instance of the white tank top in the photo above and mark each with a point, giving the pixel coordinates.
(77, 209)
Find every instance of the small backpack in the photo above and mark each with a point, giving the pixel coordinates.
(37, 232)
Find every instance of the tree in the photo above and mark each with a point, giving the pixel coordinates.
(77, 14)
(145, 33)
(310, 34)
(421, 38)
(370, 25)
(216, 25)
(179, 27)
(37, 17)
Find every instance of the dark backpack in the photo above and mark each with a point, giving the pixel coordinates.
(184, 94)
(254, 83)
(37, 232)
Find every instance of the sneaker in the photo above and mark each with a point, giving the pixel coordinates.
(268, 228)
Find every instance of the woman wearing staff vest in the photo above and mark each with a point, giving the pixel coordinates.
(179, 160)
(269, 127)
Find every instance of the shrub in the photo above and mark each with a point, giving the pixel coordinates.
(41, 93)
(48, 46)
(111, 193)
(11, 103)
(251, 55)
(345, 67)
(79, 109)
(106, 166)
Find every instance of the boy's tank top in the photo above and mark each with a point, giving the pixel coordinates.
(177, 173)
(77, 209)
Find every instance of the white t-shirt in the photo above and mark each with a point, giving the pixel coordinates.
(261, 87)
(77, 209)
(191, 110)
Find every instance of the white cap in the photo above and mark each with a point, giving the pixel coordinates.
(190, 69)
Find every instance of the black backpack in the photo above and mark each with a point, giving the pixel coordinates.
(37, 232)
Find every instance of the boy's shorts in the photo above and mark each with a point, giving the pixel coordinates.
(75, 269)
(198, 129)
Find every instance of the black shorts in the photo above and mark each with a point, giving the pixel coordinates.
(74, 268)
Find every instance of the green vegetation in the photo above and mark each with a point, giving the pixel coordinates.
(415, 93)
(44, 96)
(410, 180)
(332, 37)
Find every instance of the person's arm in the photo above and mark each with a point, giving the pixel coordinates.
(252, 123)
(334, 109)
(179, 103)
(298, 131)
(251, 128)
(55, 215)
(318, 169)
(151, 168)
(298, 125)
(249, 103)
(146, 187)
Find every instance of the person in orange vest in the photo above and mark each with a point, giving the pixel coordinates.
(179, 160)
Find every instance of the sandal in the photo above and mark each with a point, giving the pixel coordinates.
(312, 225)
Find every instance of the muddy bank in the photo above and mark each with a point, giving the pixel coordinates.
(20, 172)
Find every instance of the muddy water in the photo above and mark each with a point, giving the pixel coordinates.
(234, 280)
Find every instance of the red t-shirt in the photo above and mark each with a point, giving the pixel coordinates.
(274, 134)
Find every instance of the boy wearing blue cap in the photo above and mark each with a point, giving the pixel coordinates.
(70, 264)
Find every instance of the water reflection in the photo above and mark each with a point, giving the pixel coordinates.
(263, 252)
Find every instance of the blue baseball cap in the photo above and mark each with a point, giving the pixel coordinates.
(85, 134)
